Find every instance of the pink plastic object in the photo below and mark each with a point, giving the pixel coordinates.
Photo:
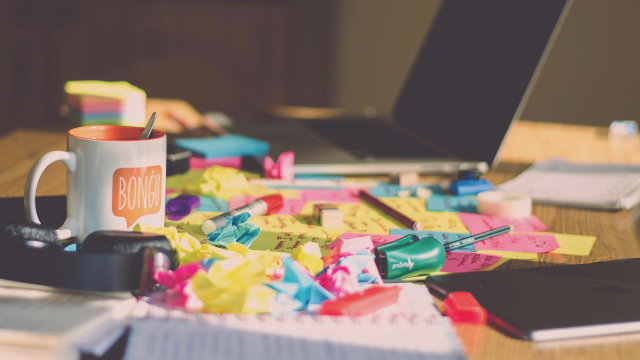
(283, 169)
(371, 299)
(231, 161)
(462, 307)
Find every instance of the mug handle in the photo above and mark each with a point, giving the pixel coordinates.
(68, 158)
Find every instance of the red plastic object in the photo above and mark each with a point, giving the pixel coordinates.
(462, 307)
(373, 298)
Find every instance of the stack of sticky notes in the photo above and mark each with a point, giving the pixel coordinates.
(225, 150)
(93, 102)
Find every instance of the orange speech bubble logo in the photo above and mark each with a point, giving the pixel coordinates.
(136, 192)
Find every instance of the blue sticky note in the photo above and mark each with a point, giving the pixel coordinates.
(385, 190)
(213, 204)
(443, 237)
(225, 145)
(467, 204)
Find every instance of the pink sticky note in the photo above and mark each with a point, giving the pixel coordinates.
(290, 206)
(376, 239)
(344, 195)
(480, 223)
(170, 191)
(231, 161)
(460, 261)
(528, 243)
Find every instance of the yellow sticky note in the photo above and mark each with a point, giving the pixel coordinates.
(309, 256)
(416, 209)
(511, 254)
(573, 244)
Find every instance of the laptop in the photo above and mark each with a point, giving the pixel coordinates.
(471, 79)
(557, 302)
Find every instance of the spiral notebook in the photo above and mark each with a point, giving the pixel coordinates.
(413, 329)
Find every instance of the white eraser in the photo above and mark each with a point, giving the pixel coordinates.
(423, 193)
(404, 193)
(405, 179)
(327, 215)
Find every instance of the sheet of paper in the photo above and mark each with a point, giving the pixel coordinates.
(438, 202)
(460, 261)
(579, 245)
(293, 337)
(331, 196)
(377, 240)
(290, 206)
(480, 223)
(443, 237)
(520, 242)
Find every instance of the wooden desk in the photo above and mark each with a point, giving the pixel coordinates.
(617, 232)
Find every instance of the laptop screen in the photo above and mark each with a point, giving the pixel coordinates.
(473, 71)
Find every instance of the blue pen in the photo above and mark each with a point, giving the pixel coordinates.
(476, 238)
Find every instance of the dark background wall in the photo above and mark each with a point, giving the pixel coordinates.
(242, 55)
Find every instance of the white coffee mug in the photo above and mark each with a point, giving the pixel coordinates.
(114, 180)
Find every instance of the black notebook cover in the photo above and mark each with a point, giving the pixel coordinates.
(555, 302)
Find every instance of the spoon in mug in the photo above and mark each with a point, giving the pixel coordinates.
(147, 129)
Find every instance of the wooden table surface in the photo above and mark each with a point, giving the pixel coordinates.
(616, 232)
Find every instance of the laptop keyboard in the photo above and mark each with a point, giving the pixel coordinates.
(370, 139)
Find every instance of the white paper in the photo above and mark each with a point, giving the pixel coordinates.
(559, 182)
(398, 333)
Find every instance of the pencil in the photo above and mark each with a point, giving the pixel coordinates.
(390, 211)
(476, 238)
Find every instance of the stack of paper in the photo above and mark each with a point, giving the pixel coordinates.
(94, 102)
(560, 182)
(51, 324)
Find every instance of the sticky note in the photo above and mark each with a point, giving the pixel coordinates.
(377, 240)
(225, 146)
(415, 209)
(480, 223)
(438, 202)
(520, 242)
(331, 196)
(213, 204)
(510, 254)
(460, 261)
(579, 245)
(443, 237)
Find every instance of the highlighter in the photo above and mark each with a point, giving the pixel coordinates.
(409, 256)
(265, 205)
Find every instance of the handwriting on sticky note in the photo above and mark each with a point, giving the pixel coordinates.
(528, 243)
(480, 223)
(344, 195)
(376, 239)
(460, 261)
(467, 204)
(416, 210)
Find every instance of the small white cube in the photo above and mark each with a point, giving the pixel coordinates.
(327, 215)
(405, 179)
(423, 193)
(404, 193)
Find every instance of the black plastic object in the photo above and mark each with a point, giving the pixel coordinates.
(177, 159)
(127, 242)
(21, 230)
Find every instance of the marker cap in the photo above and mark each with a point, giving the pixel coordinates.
(274, 202)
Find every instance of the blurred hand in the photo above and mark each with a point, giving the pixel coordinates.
(175, 116)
